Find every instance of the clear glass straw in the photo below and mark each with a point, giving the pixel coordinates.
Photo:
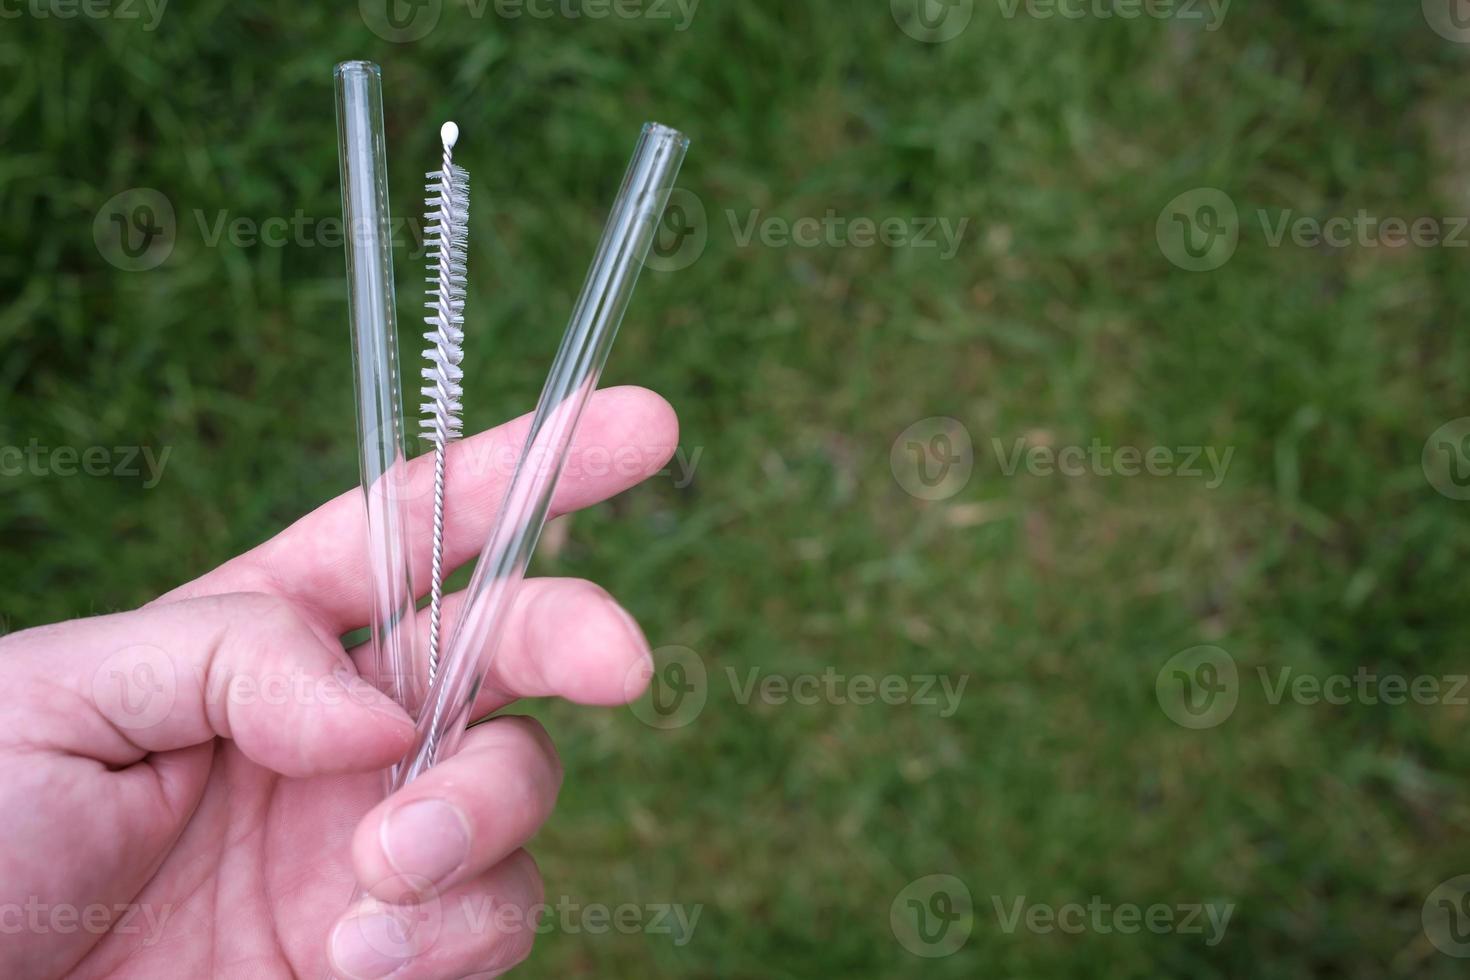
(365, 215)
(572, 379)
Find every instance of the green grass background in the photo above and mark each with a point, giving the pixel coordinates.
(795, 549)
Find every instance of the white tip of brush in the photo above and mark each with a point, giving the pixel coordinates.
(449, 133)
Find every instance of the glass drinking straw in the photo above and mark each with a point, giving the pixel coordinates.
(363, 159)
(573, 377)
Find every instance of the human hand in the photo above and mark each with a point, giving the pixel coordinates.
(191, 789)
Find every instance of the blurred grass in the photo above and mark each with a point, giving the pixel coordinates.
(794, 550)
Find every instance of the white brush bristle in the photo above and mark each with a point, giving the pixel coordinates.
(446, 235)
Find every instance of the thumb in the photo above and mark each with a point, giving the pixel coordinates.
(241, 666)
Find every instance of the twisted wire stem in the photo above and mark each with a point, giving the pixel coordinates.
(436, 587)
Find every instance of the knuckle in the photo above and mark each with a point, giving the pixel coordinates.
(271, 623)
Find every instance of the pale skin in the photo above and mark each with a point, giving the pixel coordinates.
(216, 828)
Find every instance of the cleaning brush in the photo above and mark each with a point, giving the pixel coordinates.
(447, 215)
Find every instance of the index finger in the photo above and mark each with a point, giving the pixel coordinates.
(320, 563)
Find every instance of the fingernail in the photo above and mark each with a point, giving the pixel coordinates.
(426, 839)
(370, 946)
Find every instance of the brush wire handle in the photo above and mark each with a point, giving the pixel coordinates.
(447, 237)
